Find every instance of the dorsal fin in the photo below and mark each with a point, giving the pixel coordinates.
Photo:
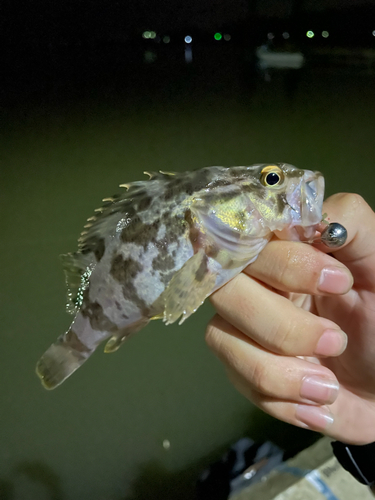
(90, 239)
(78, 268)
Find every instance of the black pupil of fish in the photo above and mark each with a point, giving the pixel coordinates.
(272, 178)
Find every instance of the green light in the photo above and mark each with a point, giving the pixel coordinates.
(218, 36)
(310, 34)
(325, 34)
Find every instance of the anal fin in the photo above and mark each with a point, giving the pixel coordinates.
(116, 341)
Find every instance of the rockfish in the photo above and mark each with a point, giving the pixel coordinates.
(158, 250)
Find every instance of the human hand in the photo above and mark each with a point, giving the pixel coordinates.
(280, 329)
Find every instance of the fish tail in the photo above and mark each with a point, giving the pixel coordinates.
(61, 359)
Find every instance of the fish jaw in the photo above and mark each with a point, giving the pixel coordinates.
(312, 194)
(306, 202)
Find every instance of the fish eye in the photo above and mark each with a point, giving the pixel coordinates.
(271, 176)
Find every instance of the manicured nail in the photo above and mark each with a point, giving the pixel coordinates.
(331, 343)
(316, 417)
(319, 389)
(335, 279)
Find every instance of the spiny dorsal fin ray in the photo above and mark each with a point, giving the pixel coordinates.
(95, 226)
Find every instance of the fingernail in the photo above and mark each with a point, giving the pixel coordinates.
(319, 389)
(331, 343)
(335, 279)
(315, 417)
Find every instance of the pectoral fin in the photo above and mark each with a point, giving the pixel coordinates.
(188, 289)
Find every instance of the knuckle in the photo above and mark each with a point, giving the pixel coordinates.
(259, 378)
(284, 336)
(212, 336)
(222, 346)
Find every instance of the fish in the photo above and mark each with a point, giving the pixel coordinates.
(160, 248)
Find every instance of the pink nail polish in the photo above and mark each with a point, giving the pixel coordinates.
(317, 418)
(319, 390)
(331, 343)
(335, 280)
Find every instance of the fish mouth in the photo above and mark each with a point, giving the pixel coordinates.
(312, 194)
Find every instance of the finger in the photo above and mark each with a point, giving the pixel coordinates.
(252, 368)
(358, 253)
(300, 268)
(274, 322)
(349, 419)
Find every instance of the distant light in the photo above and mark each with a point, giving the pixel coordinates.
(286, 35)
(227, 37)
(325, 34)
(166, 39)
(149, 34)
(310, 34)
(166, 444)
(270, 36)
(188, 39)
(218, 36)
(373, 33)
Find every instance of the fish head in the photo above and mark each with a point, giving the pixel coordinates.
(286, 198)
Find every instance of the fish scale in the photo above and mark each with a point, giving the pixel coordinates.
(159, 249)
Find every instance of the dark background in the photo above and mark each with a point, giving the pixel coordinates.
(87, 103)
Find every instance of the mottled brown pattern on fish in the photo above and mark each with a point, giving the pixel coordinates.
(144, 203)
(74, 342)
(212, 251)
(187, 184)
(130, 293)
(99, 249)
(98, 320)
(163, 262)
(123, 270)
(281, 202)
(137, 231)
(202, 270)
(194, 232)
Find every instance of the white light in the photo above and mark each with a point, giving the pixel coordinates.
(325, 34)
(166, 444)
(227, 37)
(166, 39)
(188, 39)
(310, 34)
(286, 35)
(270, 36)
(373, 33)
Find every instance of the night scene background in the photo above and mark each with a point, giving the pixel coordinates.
(93, 93)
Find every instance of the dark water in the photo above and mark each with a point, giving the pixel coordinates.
(71, 134)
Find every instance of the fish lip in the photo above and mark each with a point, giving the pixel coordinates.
(312, 194)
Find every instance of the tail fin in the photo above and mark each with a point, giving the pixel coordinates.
(61, 360)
